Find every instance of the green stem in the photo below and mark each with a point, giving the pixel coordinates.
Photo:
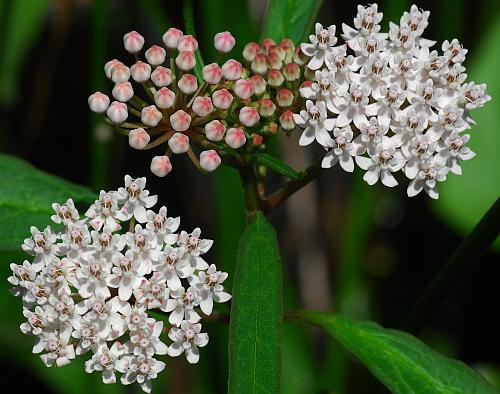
(249, 182)
(454, 271)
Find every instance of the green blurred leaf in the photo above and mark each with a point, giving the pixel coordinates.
(26, 197)
(255, 331)
(20, 24)
(402, 362)
(465, 199)
(188, 15)
(289, 19)
(275, 164)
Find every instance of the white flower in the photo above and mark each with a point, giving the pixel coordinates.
(38, 320)
(353, 108)
(187, 339)
(210, 286)
(174, 265)
(147, 341)
(104, 212)
(164, 227)
(430, 172)
(195, 247)
(453, 150)
(65, 213)
(92, 277)
(142, 243)
(153, 292)
(42, 245)
(418, 148)
(126, 274)
(91, 334)
(106, 360)
(339, 150)
(182, 305)
(142, 369)
(371, 134)
(322, 44)
(315, 123)
(56, 348)
(135, 199)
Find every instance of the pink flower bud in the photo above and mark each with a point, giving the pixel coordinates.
(212, 73)
(155, 55)
(287, 45)
(232, 70)
(133, 42)
(250, 51)
(286, 120)
(202, 106)
(171, 37)
(188, 84)
(222, 99)
(209, 160)
(138, 138)
(109, 65)
(257, 139)
(179, 143)
(274, 61)
(180, 120)
(161, 166)
(235, 137)
(187, 43)
(117, 112)
(164, 98)
(185, 60)
(98, 102)
(277, 51)
(299, 57)
(259, 64)
(259, 84)
(140, 71)
(150, 116)
(214, 130)
(120, 73)
(224, 42)
(267, 43)
(266, 107)
(284, 97)
(243, 88)
(161, 76)
(291, 71)
(123, 91)
(275, 78)
(249, 116)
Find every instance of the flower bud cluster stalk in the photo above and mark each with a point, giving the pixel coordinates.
(92, 283)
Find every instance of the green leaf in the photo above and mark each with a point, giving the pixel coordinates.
(26, 197)
(400, 361)
(289, 19)
(188, 16)
(255, 332)
(278, 166)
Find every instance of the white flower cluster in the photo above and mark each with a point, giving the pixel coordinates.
(393, 104)
(90, 286)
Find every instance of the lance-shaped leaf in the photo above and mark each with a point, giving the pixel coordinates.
(400, 361)
(257, 312)
(279, 166)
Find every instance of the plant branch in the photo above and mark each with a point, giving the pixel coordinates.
(448, 279)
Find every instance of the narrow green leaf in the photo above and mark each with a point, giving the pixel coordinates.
(289, 18)
(400, 361)
(255, 331)
(188, 15)
(275, 164)
(26, 197)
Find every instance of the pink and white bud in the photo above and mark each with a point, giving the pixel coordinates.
(171, 37)
(300, 57)
(222, 99)
(267, 43)
(257, 139)
(249, 116)
(140, 71)
(259, 84)
(259, 64)
(109, 66)
(224, 42)
(179, 143)
(291, 71)
(209, 160)
(243, 88)
(161, 166)
(164, 98)
(161, 76)
(284, 97)
(286, 121)
(188, 84)
(212, 73)
(275, 78)
(98, 102)
(202, 106)
(120, 73)
(133, 42)
(266, 107)
(138, 138)
(250, 51)
(214, 130)
(123, 91)
(187, 43)
(180, 120)
(150, 116)
(274, 60)
(155, 55)
(185, 60)
(117, 112)
(278, 51)
(235, 137)
(232, 70)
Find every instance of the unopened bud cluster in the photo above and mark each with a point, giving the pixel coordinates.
(91, 284)
(233, 107)
(388, 102)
